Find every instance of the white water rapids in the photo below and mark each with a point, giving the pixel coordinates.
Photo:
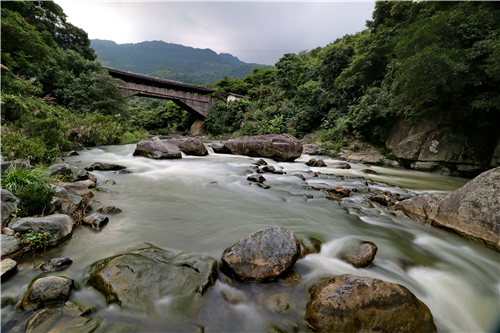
(205, 204)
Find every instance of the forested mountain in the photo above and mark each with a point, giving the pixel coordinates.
(171, 61)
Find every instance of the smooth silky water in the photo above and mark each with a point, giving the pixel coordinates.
(205, 204)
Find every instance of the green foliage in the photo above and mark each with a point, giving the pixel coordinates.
(129, 137)
(31, 187)
(36, 239)
(156, 115)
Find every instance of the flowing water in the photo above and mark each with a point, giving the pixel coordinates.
(205, 204)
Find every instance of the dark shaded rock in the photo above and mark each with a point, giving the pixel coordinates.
(339, 191)
(256, 178)
(361, 254)
(316, 163)
(105, 167)
(299, 176)
(264, 186)
(312, 148)
(370, 171)
(340, 165)
(157, 149)
(42, 320)
(122, 172)
(59, 226)
(472, 211)
(45, 291)
(71, 153)
(79, 173)
(189, 146)
(82, 325)
(268, 168)
(77, 189)
(55, 264)
(10, 244)
(7, 300)
(263, 255)
(7, 166)
(74, 309)
(9, 204)
(59, 169)
(280, 147)
(109, 210)
(140, 277)
(260, 162)
(96, 220)
(309, 245)
(219, 148)
(8, 267)
(109, 182)
(349, 303)
(381, 199)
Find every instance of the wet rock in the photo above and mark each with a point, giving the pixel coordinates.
(472, 211)
(309, 245)
(75, 309)
(263, 255)
(381, 199)
(88, 183)
(316, 163)
(361, 254)
(260, 162)
(45, 291)
(78, 189)
(189, 146)
(109, 210)
(8, 267)
(122, 172)
(82, 325)
(55, 264)
(9, 204)
(42, 320)
(79, 173)
(312, 148)
(219, 148)
(109, 182)
(157, 149)
(280, 303)
(71, 153)
(139, 278)
(61, 192)
(264, 186)
(10, 244)
(340, 165)
(349, 303)
(233, 296)
(370, 171)
(248, 172)
(8, 231)
(299, 176)
(59, 226)
(339, 191)
(256, 178)
(268, 168)
(7, 300)
(105, 167)
(96, 220)
(280, 147)
(59, 169)
(71, 203)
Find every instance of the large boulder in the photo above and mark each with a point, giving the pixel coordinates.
(263, 255)
(472, 211)
(10, 244)
(280, 147)
(19, 164)
(139, 278)
(9, 204)
(59, 169)
(44, 291)
(157, 149)
(59, 226)
(104, 167)
(349, 303)
(189, 146)
(42, 320)
(8, 267)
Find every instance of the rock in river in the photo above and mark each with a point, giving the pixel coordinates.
(189, 146)
(59, 226)
(280, 147)
(263, 255)
(139, 278)
(361, 254)
(157, 149)
(46, 290)
(349, 303)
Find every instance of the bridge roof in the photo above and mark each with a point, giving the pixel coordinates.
(157, 82)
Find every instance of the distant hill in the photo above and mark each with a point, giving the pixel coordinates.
(171, 61)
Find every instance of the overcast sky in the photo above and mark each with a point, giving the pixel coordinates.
(255, 32)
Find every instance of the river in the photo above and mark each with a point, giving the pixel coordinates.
(205, 204)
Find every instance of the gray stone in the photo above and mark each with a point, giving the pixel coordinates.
(19, 164)
(96, 220)
(349, 303)
(79, 173)
(268, 168)
(109, 210)
(381, 199)
(263, 255)
(309, 245)
(74, 309)
(189, 146)
(8, 267)
(312, 148)
(157, 149)
(280, 303)
(219, 148)
(82, 325)
(59, 169)
(9, 204)
(256, 178)
(78, 189)
(45, 291)
(88, 183)
(105, 167)
(42, 320)
(340, 165)
(60, 226)
(55, 264)
(299, 176)
(10, 244)
(361, 254)
(139, 278)
(280, 147)
(316, 163)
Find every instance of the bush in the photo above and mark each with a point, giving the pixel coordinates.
(31, 187)
(134, 137)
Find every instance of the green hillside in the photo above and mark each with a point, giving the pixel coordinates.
(171, 61)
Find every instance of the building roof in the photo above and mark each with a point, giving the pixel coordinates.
(157, 82)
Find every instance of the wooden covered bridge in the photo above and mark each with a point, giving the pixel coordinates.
(191, 98)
